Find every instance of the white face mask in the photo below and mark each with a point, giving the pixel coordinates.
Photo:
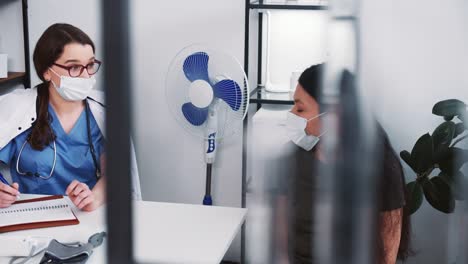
(296, 126)
(74, 89)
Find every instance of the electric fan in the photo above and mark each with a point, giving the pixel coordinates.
(207, 93)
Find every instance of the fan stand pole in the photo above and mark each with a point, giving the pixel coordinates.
(207, 199)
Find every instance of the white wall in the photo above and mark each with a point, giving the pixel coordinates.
(415, 53)
(297, 41)
(11, 39)
(11, 34)
(170, 160)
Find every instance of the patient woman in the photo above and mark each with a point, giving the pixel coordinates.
(304, 122)
(50, 136)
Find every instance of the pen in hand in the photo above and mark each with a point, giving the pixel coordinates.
(3, 180)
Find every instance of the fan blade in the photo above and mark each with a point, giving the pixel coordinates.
(230, 92)
(196, 116)
(196, 66)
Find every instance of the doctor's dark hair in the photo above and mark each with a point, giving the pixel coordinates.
(48, 49)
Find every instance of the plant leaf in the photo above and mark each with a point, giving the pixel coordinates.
(442, 136)
(406, 157)
(422, 154)
(452, 160)
(438, 193)
(415, 194)
(464, 117)
(459, 129)
(449, 108)
(457, 184)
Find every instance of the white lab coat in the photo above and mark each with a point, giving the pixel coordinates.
(18, 112)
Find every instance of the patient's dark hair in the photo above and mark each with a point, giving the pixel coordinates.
(312, 80)
(48, 49)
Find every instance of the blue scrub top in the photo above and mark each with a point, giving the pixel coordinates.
(74, 159)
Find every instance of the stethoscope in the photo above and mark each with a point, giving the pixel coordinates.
(91, 149)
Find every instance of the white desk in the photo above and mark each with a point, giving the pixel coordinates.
(163, 232)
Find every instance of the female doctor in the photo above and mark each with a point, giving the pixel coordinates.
(50, 136)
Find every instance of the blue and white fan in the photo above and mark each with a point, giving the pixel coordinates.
(207, 93)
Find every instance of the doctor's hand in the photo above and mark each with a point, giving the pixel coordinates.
(81, 196)
(8, 194)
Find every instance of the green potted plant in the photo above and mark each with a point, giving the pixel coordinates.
(440, 152)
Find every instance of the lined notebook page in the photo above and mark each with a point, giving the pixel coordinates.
(34, 212)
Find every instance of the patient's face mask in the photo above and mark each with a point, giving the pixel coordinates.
(296, 126)
(74, 88)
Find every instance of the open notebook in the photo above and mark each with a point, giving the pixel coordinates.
(37, 213)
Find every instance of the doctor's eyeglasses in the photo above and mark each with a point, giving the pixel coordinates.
(76, 70)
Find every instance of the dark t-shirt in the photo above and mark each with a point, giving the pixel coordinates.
(302, 190)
